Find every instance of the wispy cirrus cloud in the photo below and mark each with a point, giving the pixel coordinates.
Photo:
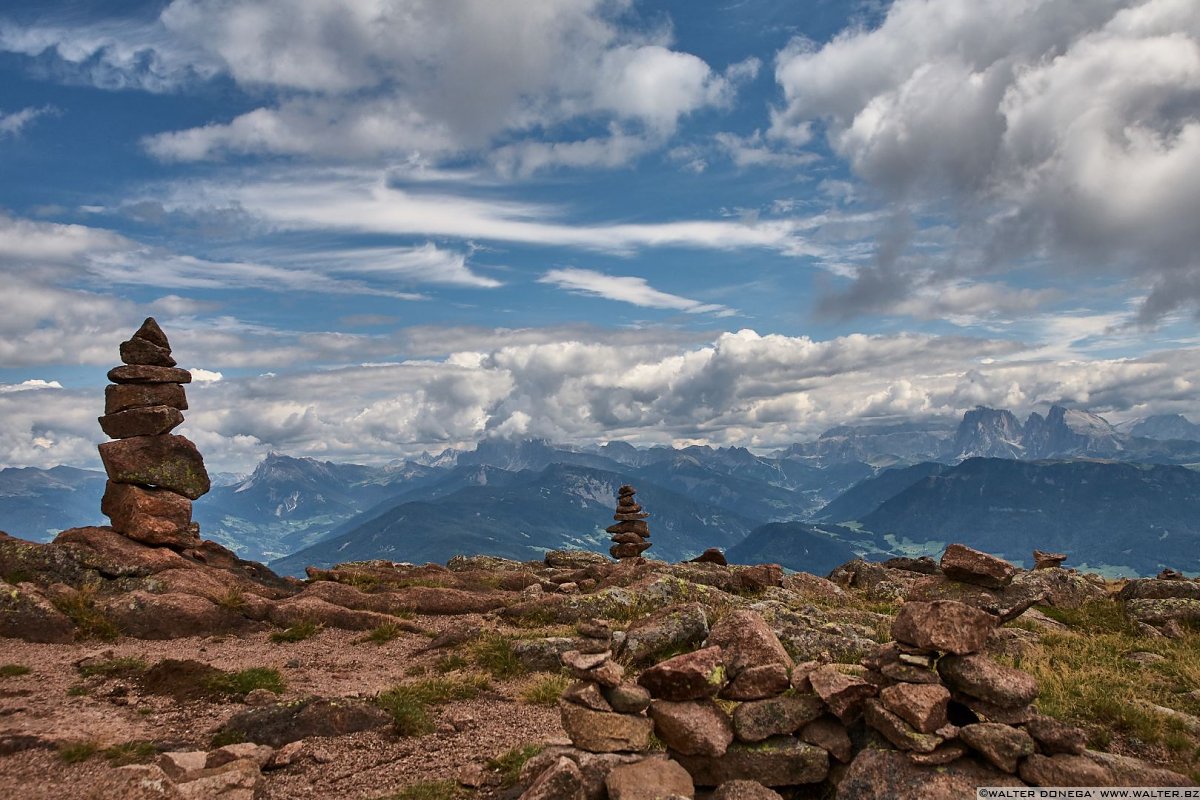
(627, 289)
(14, 124)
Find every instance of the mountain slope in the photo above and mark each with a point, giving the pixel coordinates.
(794, 545)
(866, 496)
(36, 503)
(561, 506)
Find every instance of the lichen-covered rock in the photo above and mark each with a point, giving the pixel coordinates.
(26, 614)
(574, 559)
(1166, 610)
(1002, 745)
(744, 790)
(692, 727)
(595, 667)
(170, 616)
(979, 676)
(155, 517)
(649, 779)
(120, 397)
(301, 608)
(944, 625)
(690, 676)
(150, 421)
(890, 775)
(279, 724)
(780, 761)
(1127, 771)
(1063, 770)
(965, 564)
(748, 643)
(756, 720)
(1155, 589)
(842, 693)
(1055, 736)
(921, 705)
(628, 698)
(562, 781)
(830, 735)
(166, 462)
(670, 629)
(897, 731)
(600, 732)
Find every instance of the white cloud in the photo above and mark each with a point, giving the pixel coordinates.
(755, 151)
(33, 384)
(205, 375)
(16, 122)
(1061, 127)
(627, 289)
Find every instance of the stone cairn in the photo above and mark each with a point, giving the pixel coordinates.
(631, 534)
(153, 475)
(928, 714)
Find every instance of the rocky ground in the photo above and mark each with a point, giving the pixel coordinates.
(138, 671)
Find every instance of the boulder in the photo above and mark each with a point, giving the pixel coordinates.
(1063, 770)
(692, 727)
(1126, 771)
(758, 578)
(137, 373)
(628, 698)
(875, 580)
(829, 735)
(562, 781)
(813, 587)
(757, 720)
(843, 693)
(1002, 745)
(1167, 610)
(151, 421)
(922, 706)
(26, 614)
(111, 555)
(712, 555)
(1057, 587)
(142, 351)
(166, 462)
(276, 725)
(1044, 560)
(650, 779)
(124, 396)
(600, 732)
(667, 630)
(747, 642)
(943, 625)
(1055, 737)
(156, 517)
(1156, 589)
(691, 676)
(980, 677)
(965, 564)
(744, 790)
(780, 761)
(755, 683)
(890, 775)
(299, 609)
(897, 731)
(170, 616)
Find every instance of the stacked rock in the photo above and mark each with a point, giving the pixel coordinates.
(600, 713)
(153, 475)
(631, 534)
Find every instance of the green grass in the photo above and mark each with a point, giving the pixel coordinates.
(13, 670)
(78, 690)
(81, 609)
(450, 663)
(239, 684)
(1097, 616)
(410, 703)
(130, 753)
(509, 764)
(545, 690)
(77, 752)
(383, 633)
(234, 600)
(228, 737)
(494, 652)
(120, 667)
(297, 633)
(429, 790)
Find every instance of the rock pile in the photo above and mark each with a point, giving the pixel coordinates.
(153, 474)
(631, 534)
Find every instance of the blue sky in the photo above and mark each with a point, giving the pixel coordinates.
(379, 227)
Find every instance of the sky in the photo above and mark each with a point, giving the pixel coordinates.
(373, 228)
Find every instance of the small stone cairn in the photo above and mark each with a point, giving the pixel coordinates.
(153, 475)
(928, 714)
(631, 534)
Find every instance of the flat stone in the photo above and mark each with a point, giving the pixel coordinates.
(181, 762)
(890, 775)
(690, 676)
(122, 397)
(237, 780)
(595, 667)
(907, 673)
(258, 753)
(831, 736)
(1002, 745)
(649, 779)
(757, 720)
(1055, 736)
(692, 727)
(1044, 560)
(941, 755)
(166, 462)
(148, 421)
(979, 676)
(943, 625)
(744, 790)
(619, 517)
(628, 538)
(588, 695)
(155, 517)
(921, 705)
(628, 698)
(137, 373)
(619, 551)
(897, 731)
(143, 352)
(601, 732)
(780, 761)
(843, 693)
(990, 712)
(280, 724)
(962, 563)
(637, 526)
(562, 781)
(756, 683)
(1063, 770)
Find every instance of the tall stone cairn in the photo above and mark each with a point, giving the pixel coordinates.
(631, 534)
(153, 475)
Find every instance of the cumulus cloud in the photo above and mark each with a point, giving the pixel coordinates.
(1068, 128)
(627, 289)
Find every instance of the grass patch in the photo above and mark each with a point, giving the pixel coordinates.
(13, 670)
(130, 753)
(297, 633)
(78, 690)
(509, 764)
(120, 667)
(77, 752)
(494, 652)
(239, 684)
(429, 790)
(81, 609)
(234, 600)
(545, 690)
(410, 703)
(383, 633)
(228, 737)
(450, 663)
(1096, 617)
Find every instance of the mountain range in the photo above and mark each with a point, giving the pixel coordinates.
(1115, 497)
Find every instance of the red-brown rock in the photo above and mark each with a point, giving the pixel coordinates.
(145, 353)
(149, 421)
(170, 616)
(595, 667)
(138, 373)
(692, 727)
(152, 333)
(776, 716)
(755, 683)
(690, 676)
(166, 462)
(649, 779)
(562, 781)
(744, 790)
(979, 676)
(628, 550)
(122, 397)
(831, 736)
(1002, 745)
(26, 614)
(843, 693)
(944, 625)
(781, 761)
(1057, 737)
(600, 732)
(921, 705)
(712, 555)
(889, 775)
(962, 563)
(152, 516)
(759, 577)
(897, 731)
(640, 527)
(746, 642)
